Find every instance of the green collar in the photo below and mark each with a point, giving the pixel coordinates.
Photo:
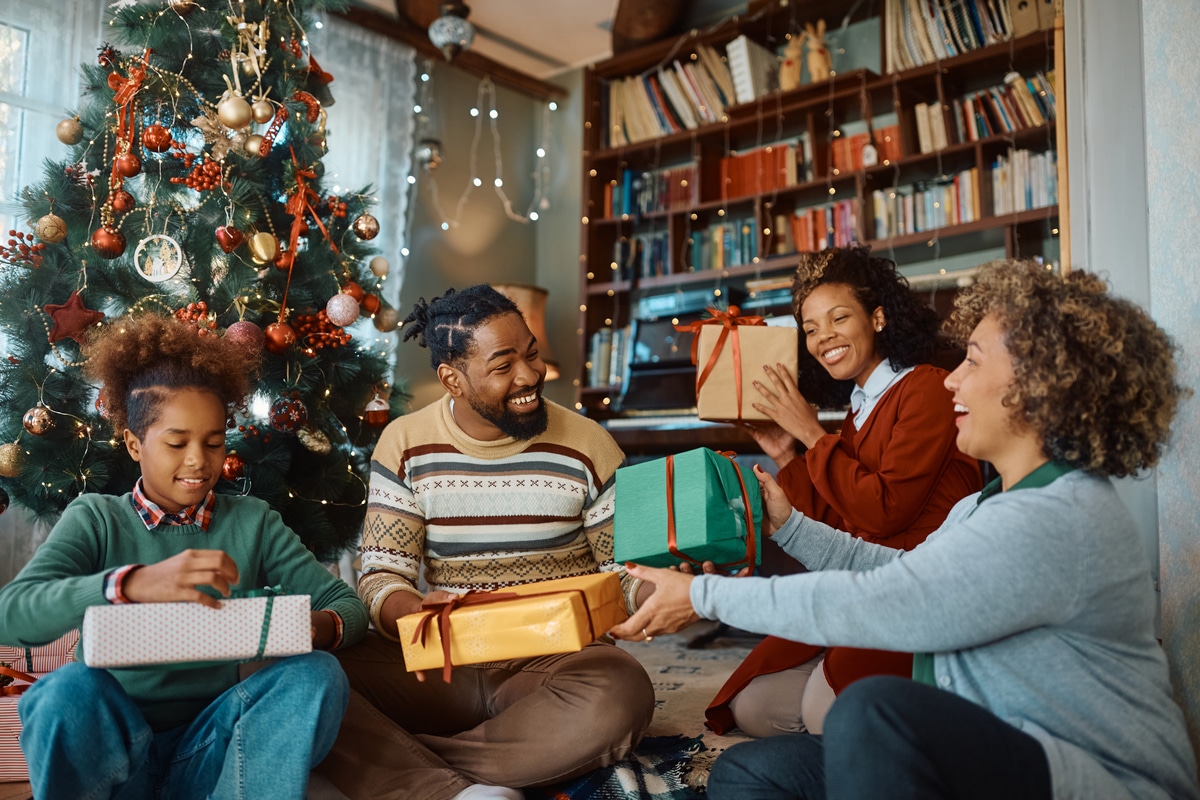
(1044, 475)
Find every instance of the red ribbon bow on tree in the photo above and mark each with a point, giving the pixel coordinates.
(126, 89)
(729, 321)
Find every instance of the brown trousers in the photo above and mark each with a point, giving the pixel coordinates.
(525, 722)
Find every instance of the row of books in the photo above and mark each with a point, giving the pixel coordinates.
(1020, 103)
(848, 151)
(831, 225)
(646, 255)
(724, 244)
(647, 192)
(676, 97)
(927, 205)
(607, 355)
(920, 32)
(1023, 180)
(767, 169)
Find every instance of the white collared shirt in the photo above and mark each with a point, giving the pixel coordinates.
(864, 399)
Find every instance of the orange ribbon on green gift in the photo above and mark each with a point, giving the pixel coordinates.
(672, 543)
(729, 321)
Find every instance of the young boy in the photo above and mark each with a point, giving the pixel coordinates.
(178, 732)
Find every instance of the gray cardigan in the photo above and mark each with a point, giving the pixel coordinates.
(1037, 605)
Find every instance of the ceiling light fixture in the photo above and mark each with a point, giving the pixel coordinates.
(451, 32)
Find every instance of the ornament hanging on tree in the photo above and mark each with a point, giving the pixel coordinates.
(108, 242)
(288, 413)
(229, 238)
(71, 319)
(354, 290)
(314, 439)
(262, 111)
(379, 266)
(253, 143)
(37, 420)
(342, 310)
(386, 320)
(263, 247)
(156, 138)
(69, 131)
(370, 303)
(233, 467)
(285, 259)
(182, 7)
(376, 412)
(234, 112)
(278, 337)
(366, 227)
(101, 408)
(10, 460)
(51, 229)
(127, 165)
(246, 334)
(121, 201)
(158, 258)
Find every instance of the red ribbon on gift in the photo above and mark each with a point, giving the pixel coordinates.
(672, 544)
(729, 321)
(11, 689)
(442, 609)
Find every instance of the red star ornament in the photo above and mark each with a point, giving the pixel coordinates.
(71, 319)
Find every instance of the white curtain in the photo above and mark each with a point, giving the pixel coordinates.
(370, 128)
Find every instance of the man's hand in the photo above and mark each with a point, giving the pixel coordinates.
(787, 408)
(776, 507)
(667, 610)
(177, 577)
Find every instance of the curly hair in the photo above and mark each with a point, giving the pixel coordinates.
(447, 324)
(910, 336)
(141, 360)
(1095, 377)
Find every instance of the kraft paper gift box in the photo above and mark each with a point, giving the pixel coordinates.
(247, 628)
(688, 507)
(729, 352)
(12, 760)
(534, 619)
(46, 658)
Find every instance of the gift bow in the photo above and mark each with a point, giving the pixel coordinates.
(8, 689)
(729, 321)
(126, 89)
(441, 609)
(672, 545)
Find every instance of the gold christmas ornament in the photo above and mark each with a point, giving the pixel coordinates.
(69, 131)
(379, 266)
(387, 320)
(182, 7)
(37, 420)
(263, 247)
(10, 460)
(366, 227)
(262, 111)
(314, 439)
(51, 229)
(234, 112)
(253, 142)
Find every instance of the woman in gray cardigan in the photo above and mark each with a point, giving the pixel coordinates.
(1030, 611)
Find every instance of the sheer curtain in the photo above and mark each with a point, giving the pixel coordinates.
(370, 129)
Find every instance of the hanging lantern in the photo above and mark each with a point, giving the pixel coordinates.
(376, 412)
(451, 32)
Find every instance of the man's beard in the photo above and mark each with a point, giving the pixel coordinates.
(518, 426)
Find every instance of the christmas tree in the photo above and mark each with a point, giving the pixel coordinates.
(192, 186)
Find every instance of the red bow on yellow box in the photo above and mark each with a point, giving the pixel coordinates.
(729, 321)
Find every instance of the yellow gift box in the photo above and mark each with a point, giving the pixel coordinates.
(729, 352)
(533, 619)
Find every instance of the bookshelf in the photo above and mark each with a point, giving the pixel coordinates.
(682, 195)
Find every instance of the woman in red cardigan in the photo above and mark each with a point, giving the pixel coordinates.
(890, 477)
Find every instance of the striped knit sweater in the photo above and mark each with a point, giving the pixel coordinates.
(485, 515)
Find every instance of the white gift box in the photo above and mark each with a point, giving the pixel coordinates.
(140, 634)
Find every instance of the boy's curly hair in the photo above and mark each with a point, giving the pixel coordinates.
(446, 325)
(141, 360)
(909, 337)
(1095, 376)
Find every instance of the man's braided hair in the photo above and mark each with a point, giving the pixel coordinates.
(447, 324)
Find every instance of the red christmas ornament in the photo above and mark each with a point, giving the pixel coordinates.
(108, 242)
(376, 412)
(370, 303)
(229, 238)
(354, 290)
(233, 467)
(156, 138)
(284, 260)
(278, 337)
(122, 201)
(71, 319)
(288, 413)
(127, 165)
(246, 334)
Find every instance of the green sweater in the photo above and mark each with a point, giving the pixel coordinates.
(98, 533)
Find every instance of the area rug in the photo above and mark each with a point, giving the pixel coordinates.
(673, 760)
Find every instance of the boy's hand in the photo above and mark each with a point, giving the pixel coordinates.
(177, 577)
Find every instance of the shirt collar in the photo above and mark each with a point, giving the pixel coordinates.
(1044, 475)
(880, 379)
(153, 515)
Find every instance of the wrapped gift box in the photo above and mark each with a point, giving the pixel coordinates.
(46, 658)
(559, 616)
(741, 351)
(138, 634)
(12, 760)
(715, 515)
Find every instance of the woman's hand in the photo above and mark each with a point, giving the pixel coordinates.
(178, 577)
(787, 407)
(776, 507)
(710, 568)
(668, 610)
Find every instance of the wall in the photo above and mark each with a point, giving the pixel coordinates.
(485, 246)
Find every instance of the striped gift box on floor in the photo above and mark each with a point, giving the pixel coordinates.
(12, 760)
(46, 658)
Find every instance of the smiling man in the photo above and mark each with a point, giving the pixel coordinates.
(488, 487)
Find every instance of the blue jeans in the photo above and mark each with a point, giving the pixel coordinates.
(85, 739)
(889, 737)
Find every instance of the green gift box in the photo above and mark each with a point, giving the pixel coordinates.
(695, 506)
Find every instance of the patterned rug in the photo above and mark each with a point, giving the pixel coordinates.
(673, 761)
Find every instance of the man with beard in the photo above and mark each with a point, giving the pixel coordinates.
(490, 486)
